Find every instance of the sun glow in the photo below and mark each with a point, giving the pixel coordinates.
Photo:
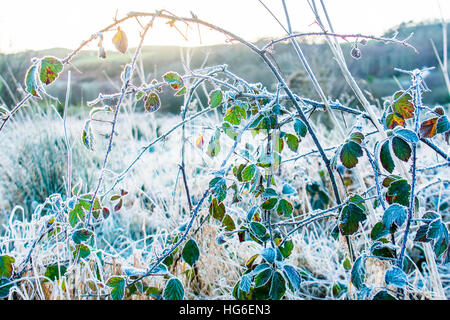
(52, 23)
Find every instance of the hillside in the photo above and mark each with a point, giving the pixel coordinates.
(375, 70)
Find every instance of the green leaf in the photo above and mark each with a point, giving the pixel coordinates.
(383, 249)
(395, 276)
(81, 235)
(191, 252)
(76, 215)
(6, 266)
(249, 172)
(235, 114)
(258, 230)
(218, 187)
(399, 192)
(441, 244)
(174, 80)
(217, 210)
(118, 285)
(270, 193)
(350, 217)
(443, 125)
(347, 264)
(55, 272)
(401, 148)
(82, 251)
(378, 231)
(434, 231)
(292, 142)
(277, 287)
(174, 290)
(215, 98)
(383, 295)
(394, 215)
(300, 128)
(284, 208)
(49, 69)
(268, 122)
(263, 277)
(358, 200)
(269, 204)
(31, 83)
(357, 137)
(358, 273)
(286, 248)
(385, 157)
(228, 223)
(87, 136)
(350, 153)
(269, 255)
(152, 102)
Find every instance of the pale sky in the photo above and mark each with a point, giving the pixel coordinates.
(41, 24)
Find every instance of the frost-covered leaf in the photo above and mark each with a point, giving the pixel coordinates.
(55, 272)
(385, 157)
(292, 275)
(292, 142)
(358, 273)
(49, 69)
(395, 276)
(5, 286)
(407, 135)
(6, 266)
(174, 80)
(87, 137)
(249, 172)
(277, 286)
(31, 84)
(401, 149)
(118, 285)
(350, 153)
(300, 128)
(173, 290)
(284, 208)
(217, 210)
(403, 105)
(191, 252)
(81, 235)
(351, 215)
(235, 114)
(215, 98)
(152, 102)
(394, 215)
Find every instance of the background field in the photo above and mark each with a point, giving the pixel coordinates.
(33, 157)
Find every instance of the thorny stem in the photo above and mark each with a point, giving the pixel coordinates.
(116, 113)
(417, 96)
